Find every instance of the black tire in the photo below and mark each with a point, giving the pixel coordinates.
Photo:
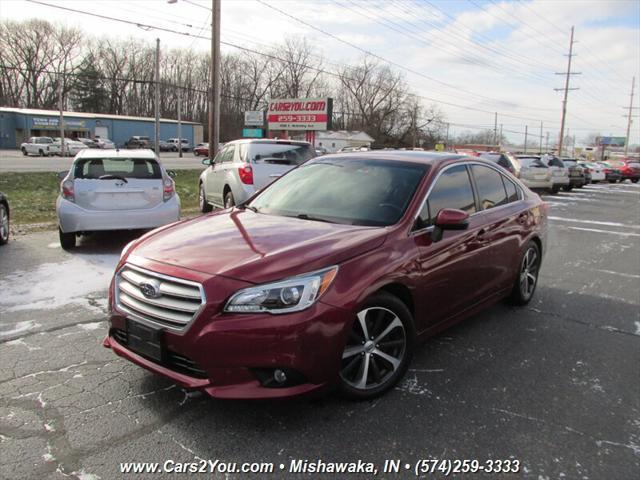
(555, 189)
(202, 200)
(612, 181)
(527, 278)
(4, 224)
(379, 364)
(229, 201)
(567, 188)
(41, 152)
(67, 240)
(24, 151)
(635, 180)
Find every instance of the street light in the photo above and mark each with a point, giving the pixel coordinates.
(214, 96)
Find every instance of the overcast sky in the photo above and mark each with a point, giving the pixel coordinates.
(485, 55)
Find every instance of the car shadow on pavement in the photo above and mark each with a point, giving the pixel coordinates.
(106, 242)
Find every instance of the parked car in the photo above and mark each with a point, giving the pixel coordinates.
(114, 190)
(535, 174)
(201, 149)
(138, 141)
(5, 217)
(243, 167)
(631, 171)
(362, 148)
(559, 173)
(105, 143)
(71, 147)
(612, 173)
(175, 142)
(324, 279)
(321, 151)
(577, 177)
(594, 171)
(506, 160)
(90, 143)
(37, 146)
(163, 146)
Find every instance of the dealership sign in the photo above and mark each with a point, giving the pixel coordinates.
(254, 118)
(613, 141)
(300, 114)
(54, 122)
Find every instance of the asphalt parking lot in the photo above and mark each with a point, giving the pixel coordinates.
(555, 385)
(15, 161)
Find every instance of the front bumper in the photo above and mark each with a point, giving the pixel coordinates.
(228, 351)
(73, 218)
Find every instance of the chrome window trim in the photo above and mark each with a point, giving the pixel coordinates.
(435, 180)
(123, 309)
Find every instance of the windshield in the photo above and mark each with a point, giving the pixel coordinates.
(348, 191)
(94, 168)
(531, 162)
(280, 153)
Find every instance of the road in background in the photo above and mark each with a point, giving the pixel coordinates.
(15, 161)
(554, 385)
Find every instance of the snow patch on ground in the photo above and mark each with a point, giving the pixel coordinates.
(19, 327)
(54, 285)
(90, 326)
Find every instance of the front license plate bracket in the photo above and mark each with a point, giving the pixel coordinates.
(145, 340)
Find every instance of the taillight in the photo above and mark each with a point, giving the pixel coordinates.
(246, 174)
(67, 190)
(588, 170)
(607, 170)
(168, 189)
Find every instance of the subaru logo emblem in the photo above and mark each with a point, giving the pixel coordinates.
(150, 289)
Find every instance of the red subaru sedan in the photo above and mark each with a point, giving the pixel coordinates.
(327, 277)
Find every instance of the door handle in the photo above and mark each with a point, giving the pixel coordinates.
(275, 175)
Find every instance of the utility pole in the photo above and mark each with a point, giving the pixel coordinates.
(500, 138)
(180, 119)
(629, 118)
(566, 89)
(547, 147)
(526, 134)
(541, 125)
(495, 128)
(415, 127)
(447, 140)
(157, 99)
(214, 104)
(567, 137)
(61, 107)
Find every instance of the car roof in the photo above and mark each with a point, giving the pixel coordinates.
(116, 153)
(403, 156)
(283, 141)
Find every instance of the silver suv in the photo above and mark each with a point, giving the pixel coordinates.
(243, 167)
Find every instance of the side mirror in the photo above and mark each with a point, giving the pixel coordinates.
(449, 219)
(207, 161)
(171, 173)
(452, 219)
(62, 174)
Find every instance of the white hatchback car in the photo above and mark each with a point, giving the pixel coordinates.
(243, 167)
(114, 190)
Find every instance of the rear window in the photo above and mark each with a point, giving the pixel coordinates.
(530, 162)
(569, 163)
(94, 168)
(279, 153)
(556, 162)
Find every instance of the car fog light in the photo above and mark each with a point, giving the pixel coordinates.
(279, 376)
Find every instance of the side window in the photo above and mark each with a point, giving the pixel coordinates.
(452, 190)
(227, 157)
(491, 190)
(219, 158)
(512, 190)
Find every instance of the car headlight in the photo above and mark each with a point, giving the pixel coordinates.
(289, 295)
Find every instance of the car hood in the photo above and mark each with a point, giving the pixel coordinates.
(256, 247)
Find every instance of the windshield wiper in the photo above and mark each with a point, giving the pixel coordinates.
(304, 216)
(243, 206)
(113, 177)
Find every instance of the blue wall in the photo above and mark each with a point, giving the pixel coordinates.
(119, 129)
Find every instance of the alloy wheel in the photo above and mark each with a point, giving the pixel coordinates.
(529, 272)
(375, 349)
(4, 224)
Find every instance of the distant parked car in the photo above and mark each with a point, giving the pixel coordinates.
(114, 190)
(576, 174)
(243, 167)
(631, 171)
(362, 148)
(164, 146)
(184, 143)
(506, 160)
(71, 147)
(105, 143)
(535, 174)
(201, 149)
(37, 146)
(5, 215)
(559, 173)
(90, 143)
(138, 141)
(321, 151)
(612, 173)
(594, 171)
